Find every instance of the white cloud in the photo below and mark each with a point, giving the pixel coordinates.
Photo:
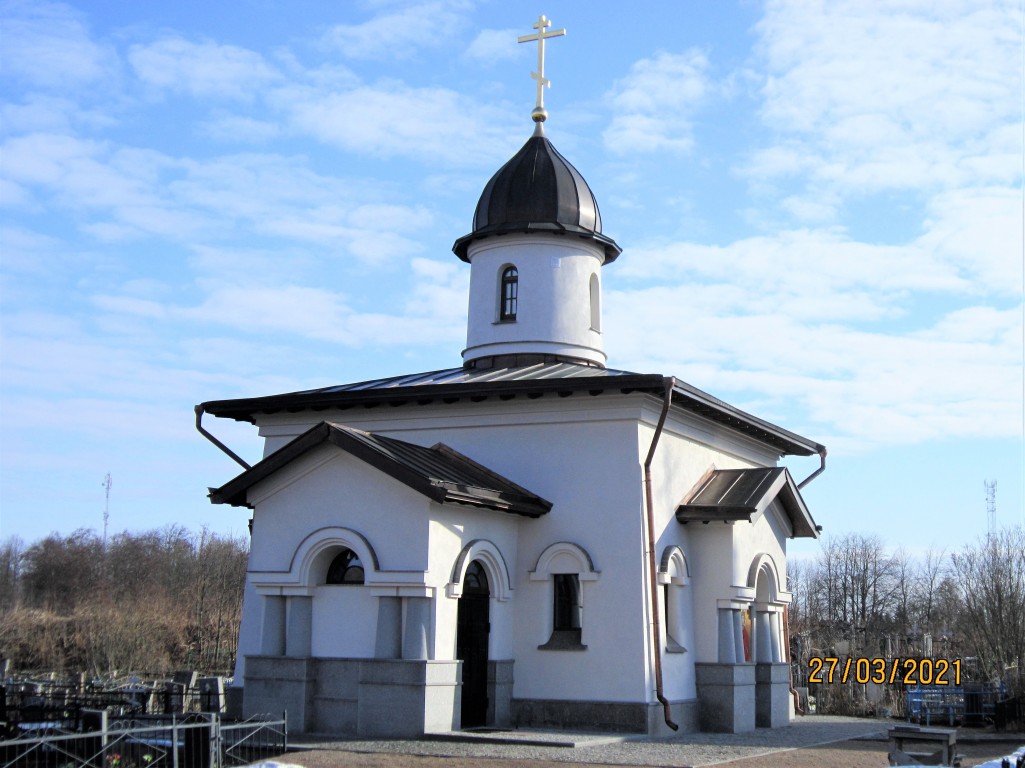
(653, 104)
(316, 314)
(815, 209)
(99, 179)
(127, 305)
(271, 265)
(916, 97)
(205, 69)
(980, 231)
(857, 344)
(126, 193)
(48, 45)
(434, 126)
(240, 129)
(853, 280)
(958, 377)
(400, 33)
(41, 113)
(440, 292)
(493, 45)
(309, 312)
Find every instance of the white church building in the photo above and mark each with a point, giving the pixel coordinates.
(530, 539)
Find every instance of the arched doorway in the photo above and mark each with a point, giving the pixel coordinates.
(472, 629)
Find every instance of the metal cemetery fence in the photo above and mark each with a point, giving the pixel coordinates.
(32, 702)
(193, 741)
(976, 704)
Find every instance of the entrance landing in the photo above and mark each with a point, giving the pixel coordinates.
(530, 738)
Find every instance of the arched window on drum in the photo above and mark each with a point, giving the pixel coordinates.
(346, 568)
(509, 295)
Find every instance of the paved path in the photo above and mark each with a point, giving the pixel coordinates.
(695, 749)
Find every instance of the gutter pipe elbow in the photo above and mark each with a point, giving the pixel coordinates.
(817, 472)
(214, 440)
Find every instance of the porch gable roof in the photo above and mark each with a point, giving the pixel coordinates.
(441, 473)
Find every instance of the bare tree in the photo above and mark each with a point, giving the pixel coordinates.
(11, 555)
(930, 575)
(990, 577)
(149, 602)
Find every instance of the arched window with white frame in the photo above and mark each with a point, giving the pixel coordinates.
(567, 567)
(674, 577)
(508, 294)
(595, 294)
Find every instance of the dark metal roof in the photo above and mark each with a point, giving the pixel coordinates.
(538, 190)
(729, 495)
(506, 383)
(439, 472)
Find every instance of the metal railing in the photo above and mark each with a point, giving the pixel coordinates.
(64, 702)
(194, 741)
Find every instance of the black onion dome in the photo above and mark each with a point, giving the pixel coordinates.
(538, 190)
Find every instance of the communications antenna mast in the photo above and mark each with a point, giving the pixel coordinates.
(991, 507)
(107, 482)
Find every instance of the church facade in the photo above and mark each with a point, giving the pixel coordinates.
(530, 539)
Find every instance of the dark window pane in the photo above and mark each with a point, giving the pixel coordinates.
(567, 601)
(510, 294)
(346, 568)
(476, 580)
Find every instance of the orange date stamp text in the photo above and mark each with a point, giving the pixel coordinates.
(831, 670)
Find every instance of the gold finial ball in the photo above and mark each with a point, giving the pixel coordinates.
(539, 115)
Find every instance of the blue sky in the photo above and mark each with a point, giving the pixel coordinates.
(820, 206)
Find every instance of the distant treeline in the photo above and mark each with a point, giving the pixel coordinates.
(859, 598)
(147, 602)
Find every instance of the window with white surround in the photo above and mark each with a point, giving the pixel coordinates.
(508, 295)
(566, 567)
(595, 292)
(566, 608)
(674, 576)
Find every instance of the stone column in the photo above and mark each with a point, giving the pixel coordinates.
(272, 637)
(389, 628)
(763, 644)
(418, 622)
(299, 635)
(777, 637)
(738, 633)
(727, 649)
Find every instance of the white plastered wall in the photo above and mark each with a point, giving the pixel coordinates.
(320, 496)
(580, 453)
(554, 297)
(585, 455)
(687, 449)
(493, 535)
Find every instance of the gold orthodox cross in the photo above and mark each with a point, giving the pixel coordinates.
(539, 113)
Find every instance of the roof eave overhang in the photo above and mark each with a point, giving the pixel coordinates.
(245, 409)
(461, 247)
(713, 514)
(685, 397)
(786, 442)
(480, 497)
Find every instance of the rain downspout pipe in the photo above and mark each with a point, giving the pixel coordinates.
(790, 662)
(656, 622)
(817, 472)
(214, 440)
(786, 609)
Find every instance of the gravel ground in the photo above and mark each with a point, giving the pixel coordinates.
(811, 742)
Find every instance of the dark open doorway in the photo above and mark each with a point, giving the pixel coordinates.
(472, 629)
